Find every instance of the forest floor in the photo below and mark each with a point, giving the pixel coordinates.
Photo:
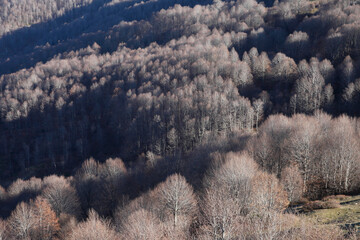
(347, 216)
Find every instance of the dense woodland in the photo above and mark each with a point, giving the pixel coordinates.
(166, 119)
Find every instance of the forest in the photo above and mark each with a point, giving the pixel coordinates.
(165, 119)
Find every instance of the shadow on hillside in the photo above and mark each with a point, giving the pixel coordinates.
(57, 141)
(142, 178)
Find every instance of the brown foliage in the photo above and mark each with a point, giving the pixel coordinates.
(35, 220)
(46, 222)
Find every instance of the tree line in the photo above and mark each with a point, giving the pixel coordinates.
(235, 199)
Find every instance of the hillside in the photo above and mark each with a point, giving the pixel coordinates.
(111, 111)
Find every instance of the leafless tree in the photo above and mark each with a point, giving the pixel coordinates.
(268, 194)
(292, 181)
(61, 196)
(33, 185)
(226, 199)
(67, 224)
(261, 67)
(3, 193)
(347, 71)
(22, 221)
(3, 230)
(308, 91)
(259, 111)
(221, 217)
(297, 44)
(93, 228)
(177, 201)
(86, 185)
(343, 154)
(283, 69)
(301, 145)
(142, 225)
(112, 175)
(268, 147)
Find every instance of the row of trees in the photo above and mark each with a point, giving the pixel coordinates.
(325, 151)
(279, 27)
(236, 200)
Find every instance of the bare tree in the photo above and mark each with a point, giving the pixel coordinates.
(259, 111)
(343, 153)
(67, 224)
(268, 147)
(3, 230)
(327, 71)
(297, 6)
(112, 175)
(86, 183)
(22, 221)
(221, 216)
(283, 69)
(89, 168)
(347, 69)
(176, 201)
(301, 145)
(297, 44)
(308, 93)
(93, 228)
(3, 193)
(328, 96)
(261, 67)
(31, 186)
(293, 183)
(261, 149)
(226, 200)
(142, 225)
(270, 225)
(61, 196)
(268, 194)
(126, 208)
